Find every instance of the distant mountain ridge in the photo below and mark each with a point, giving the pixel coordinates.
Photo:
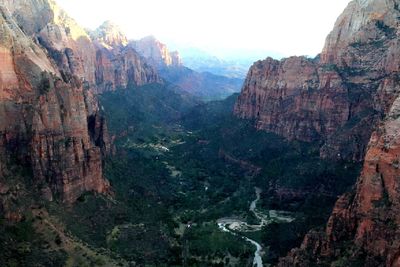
(206, 85)
(156, 52)
(232, 63)
(230, 69)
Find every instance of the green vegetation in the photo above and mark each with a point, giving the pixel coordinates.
(20, 242)
(389, 31)
(217, 160)
(45, 83)
(281, 237)
(137, 108)
(209, 242)
(22, 246)
(179, 166)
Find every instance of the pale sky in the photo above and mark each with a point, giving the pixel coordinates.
(286, 27)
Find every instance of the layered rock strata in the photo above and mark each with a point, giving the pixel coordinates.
(336, 98)
(50, 72)
(363, 229)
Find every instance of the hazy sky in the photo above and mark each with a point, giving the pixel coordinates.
(287, 27)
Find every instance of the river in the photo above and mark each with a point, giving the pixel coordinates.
(230, 225)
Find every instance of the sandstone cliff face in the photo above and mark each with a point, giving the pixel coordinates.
(335, 98)
(104, 61)
(77, 53)
(363, 227)
(110, 35)
(44, 108)
(121, 67)
(50, 71)
(117, 64)
(65, 155)
(285, 97)
(156, 52)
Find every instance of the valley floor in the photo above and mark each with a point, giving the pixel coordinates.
(192, 186)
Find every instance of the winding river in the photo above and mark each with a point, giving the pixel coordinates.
(230, 225)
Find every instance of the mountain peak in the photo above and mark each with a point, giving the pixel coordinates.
(156, 52)
(149, 38)
(108, 24)
(351, 26)
(176, 59)
(110, 34)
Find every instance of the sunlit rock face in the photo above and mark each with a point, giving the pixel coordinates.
(338, 97)
(118, 65)
(363, 227)
(47, 63)
(119, 68)
(75, 52)
(50, 72)
(110, 35)
(156, 52)
(356, 26)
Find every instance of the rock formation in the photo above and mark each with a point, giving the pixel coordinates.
(117, 64)
(363, 54)
(176, 59)
(156, 52)
(50, 71)
(110, 35)
(337, 97)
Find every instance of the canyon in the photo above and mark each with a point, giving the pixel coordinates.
(105, 140)
(204, 85)
(346, 99)
(50, 72)
(336, 98)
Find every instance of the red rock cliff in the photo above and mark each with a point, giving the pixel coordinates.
(50, 71)
(337, 97)
(363, 229)
(118, 65)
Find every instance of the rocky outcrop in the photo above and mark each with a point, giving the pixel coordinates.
(336, 98)
(109, 35)
(50, 71)
(176, 59)
(363, 227)
(121, 67)
(66, 153)
(286, 97)
(156, 52)
(117, 64)
(103, 59)
(100, 59)
(44, 106)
